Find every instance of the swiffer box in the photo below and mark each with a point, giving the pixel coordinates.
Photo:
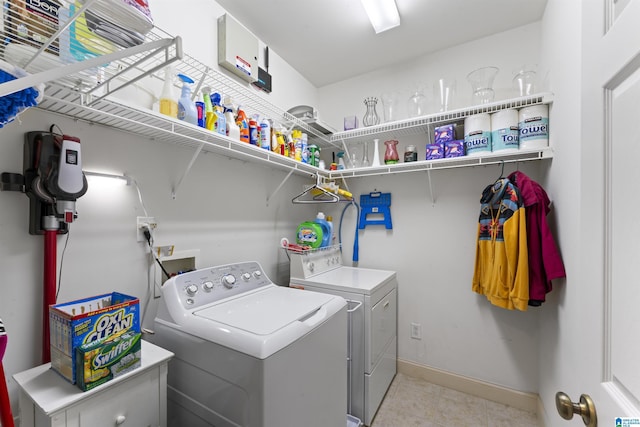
(100, 361)
(75, 323)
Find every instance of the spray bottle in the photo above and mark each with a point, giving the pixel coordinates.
(187, 110)
(168, 100)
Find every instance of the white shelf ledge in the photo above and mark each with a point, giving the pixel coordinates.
(450, 163)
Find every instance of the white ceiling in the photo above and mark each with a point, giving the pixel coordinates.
(332, 40)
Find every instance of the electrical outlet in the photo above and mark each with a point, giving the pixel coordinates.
(416, 331)
(141, 221)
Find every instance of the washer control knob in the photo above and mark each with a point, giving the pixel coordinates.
(228, 280)
(246, 276)
(257, 274)
(312, 266)
(207, 286)
(192, 290)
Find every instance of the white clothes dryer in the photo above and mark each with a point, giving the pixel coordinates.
(250, 353)
(372, 295)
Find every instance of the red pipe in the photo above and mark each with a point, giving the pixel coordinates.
(6, 418)
(49, 297)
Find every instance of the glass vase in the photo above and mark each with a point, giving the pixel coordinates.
(371, 115)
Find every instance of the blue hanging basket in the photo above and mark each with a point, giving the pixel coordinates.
(13, 104)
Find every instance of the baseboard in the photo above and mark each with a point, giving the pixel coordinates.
(526, 401)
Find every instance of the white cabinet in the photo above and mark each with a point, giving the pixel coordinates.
(136, 399)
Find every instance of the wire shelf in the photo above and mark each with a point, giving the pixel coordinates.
(424, 125)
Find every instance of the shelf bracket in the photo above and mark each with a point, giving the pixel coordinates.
(128, 81)
(286, 178)
(433, 199)
(174, 191)
(31, 80)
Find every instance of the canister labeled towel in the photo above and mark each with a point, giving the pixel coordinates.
(534, 126)
(504, 130)
(477, 134)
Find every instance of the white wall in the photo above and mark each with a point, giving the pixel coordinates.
(432, 245)
(508, 51)
(560, 346)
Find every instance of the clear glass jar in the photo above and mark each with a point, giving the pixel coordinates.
(410, 154)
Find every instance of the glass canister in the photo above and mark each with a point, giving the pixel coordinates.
(391, 152)
(410, 154)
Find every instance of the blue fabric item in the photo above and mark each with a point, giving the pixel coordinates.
(11, 105)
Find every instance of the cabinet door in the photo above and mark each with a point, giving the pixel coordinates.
(383, 327)
(133, 403)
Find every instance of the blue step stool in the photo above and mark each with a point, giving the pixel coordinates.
(375, 203)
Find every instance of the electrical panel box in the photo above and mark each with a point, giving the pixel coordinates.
(237, 49)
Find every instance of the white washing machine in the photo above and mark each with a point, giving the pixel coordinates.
(251, 353)
(372, 321)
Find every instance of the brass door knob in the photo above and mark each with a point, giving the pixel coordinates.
(585, 408)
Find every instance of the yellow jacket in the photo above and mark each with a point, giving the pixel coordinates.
(501, 270)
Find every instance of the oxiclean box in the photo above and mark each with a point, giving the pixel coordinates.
(75, 323)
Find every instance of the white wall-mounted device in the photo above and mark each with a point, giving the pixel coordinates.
(237, 49)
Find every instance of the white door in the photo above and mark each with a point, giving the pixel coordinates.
(609, 363)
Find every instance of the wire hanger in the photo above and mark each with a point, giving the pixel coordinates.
(501, 170)
(318, 193)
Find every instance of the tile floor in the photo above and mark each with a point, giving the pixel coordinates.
(412, 402)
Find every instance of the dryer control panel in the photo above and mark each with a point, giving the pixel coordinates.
(312, 262)
(208, 285)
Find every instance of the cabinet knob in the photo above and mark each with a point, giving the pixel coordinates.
(120, 419)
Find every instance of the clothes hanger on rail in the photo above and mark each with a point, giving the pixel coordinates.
(318, 194)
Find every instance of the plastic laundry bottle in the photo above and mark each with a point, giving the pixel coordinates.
(209, 119)
(327, 229)
(168, 99)
(243, 124)
(221, 122)
(265, 134)
(187, 110)
(233, 131)
(333, 234)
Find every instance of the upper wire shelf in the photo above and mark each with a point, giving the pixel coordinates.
(423, 125)
(65, 52)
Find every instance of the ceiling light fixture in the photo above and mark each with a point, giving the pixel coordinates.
(383, 14)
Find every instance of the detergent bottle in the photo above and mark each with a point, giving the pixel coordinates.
(243, 124)
(327, 229)
(309, 233)
(187, 110)
(254, 138)
(265, 134)
(221, 122)
(233, 131)
(209, 117)
(168, 99)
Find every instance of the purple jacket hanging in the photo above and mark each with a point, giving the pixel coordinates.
(545, 262)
